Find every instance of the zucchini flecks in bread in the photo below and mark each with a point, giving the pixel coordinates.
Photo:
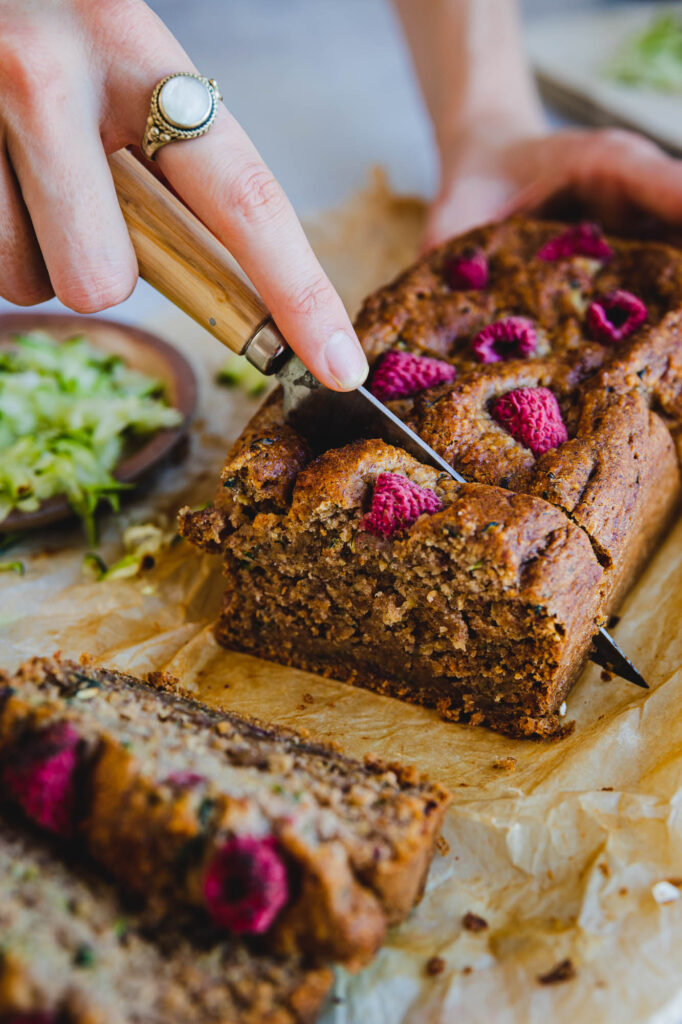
(71, 952)
(475, 608)
(265, 833)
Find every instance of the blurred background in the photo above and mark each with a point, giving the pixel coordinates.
(326, 91)
(323, 87)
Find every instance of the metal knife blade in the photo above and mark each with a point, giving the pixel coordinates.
(336, 417)
(606, 652)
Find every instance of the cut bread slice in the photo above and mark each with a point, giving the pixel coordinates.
(267, 834)
(72, 953)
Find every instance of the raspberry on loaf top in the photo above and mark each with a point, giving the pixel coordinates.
(401, 374)
(468, 271)
(511, 338)
(532, 417)
(615, 316)
(584, 239)
(397, 503)
(246, 885)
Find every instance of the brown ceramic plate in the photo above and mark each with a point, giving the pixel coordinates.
(140, 350)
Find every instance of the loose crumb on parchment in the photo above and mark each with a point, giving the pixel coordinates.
(563, 971)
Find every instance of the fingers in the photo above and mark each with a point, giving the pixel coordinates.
(469, 202)
(23, 277)
(223, 179)
(479, 199)
(56, 152)
(625, 168)
(612, 171)
(492, 183)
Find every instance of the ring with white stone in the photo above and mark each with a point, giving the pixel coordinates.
(183, 106)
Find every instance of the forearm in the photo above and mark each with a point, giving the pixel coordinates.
(472, 67)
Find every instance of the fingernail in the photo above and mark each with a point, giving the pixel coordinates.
(346, 361)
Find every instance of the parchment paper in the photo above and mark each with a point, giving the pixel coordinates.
(558, 850)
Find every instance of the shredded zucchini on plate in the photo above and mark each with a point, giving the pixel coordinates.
(67, 410)
(652, 57)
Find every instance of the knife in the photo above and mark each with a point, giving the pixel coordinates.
(309, 404)
(180, 257)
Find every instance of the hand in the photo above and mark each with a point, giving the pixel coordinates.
(76, 77)
(614, 175)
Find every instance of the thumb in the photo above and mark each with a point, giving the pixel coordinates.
(470, 201)
(479, 198)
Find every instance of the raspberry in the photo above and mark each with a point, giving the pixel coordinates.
(184, 780)
(400, 374)
(468, 271)
(582, 240)
(246, 885)
(615, 316)
(42, 778)
(532, 416)
(396, 503)
(511, 338)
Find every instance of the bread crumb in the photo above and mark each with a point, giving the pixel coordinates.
(435, 965)
(505, 764)
(665, 892)
(474, 923)
(563, 971)
(308, 698)
(563, 709)
(443, 846)
(467, 970)
(606, 675)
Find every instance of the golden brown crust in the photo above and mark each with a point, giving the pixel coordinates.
(618, 475)
(335, 820)
(424, 607)
(616, 478)
(73, 951)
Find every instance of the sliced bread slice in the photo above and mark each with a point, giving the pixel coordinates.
(267, 834)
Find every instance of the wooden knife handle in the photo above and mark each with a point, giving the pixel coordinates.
(180, 257)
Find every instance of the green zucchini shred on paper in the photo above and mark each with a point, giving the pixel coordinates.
(66, 412)
(238, 372)
(652, 57)
(17, 567)
(143, 545)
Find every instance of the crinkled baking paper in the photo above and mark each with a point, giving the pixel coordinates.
(560, 847)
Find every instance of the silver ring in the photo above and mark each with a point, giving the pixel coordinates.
(183, 106)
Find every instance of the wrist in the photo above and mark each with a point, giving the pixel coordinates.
(517, 115)
(473, 70)
(486, 129)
